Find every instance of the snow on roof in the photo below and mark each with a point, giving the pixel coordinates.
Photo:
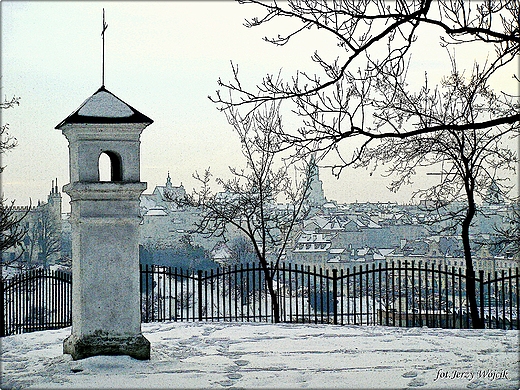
(104, 107)
(104, 104)
(157, 211)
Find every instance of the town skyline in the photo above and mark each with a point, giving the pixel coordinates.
(163, 59)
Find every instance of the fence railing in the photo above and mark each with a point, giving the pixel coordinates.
(394, 294)
(39, 299)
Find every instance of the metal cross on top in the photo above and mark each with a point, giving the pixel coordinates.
(103, 38)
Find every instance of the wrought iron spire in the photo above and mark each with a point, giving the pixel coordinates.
(105, 25)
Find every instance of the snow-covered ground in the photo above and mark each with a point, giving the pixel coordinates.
(252, 355)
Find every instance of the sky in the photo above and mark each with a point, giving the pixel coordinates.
(164, 59)
(274, 356)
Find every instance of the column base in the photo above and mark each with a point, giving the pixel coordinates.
(136, 346)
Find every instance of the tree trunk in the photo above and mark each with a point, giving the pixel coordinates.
(275, 305)
(471, 293)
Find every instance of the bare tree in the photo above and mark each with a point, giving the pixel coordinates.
(43, 237)
(11, 231)
(375, 40)
(473, 159)
(248, 202)
(7, 141)
(507, 237)
(363, 95)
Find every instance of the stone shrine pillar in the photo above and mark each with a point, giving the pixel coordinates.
(106, 312)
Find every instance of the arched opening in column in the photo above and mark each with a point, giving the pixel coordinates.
(109, 167)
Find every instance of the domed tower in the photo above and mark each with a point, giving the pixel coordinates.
(106, 315)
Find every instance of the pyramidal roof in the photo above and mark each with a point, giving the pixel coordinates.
(105, 107)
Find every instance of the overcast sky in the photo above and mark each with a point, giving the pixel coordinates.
(164, 59)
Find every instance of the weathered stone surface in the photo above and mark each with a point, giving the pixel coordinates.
(106, 313)
(102, 343)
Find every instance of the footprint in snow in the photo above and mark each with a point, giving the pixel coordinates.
(416, 382)
(226, 383)
(241, 362)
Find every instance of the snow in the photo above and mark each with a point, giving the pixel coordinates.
(104, 104)
(254, 355)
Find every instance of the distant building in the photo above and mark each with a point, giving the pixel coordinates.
(316, 195)
(42, 244)
(165, 221)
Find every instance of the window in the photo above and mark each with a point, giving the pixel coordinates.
(109, 165)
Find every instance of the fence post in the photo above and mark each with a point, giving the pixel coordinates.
(335, 294)
(199, 281)
(481, 276)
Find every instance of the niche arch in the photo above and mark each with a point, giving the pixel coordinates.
(109, 166)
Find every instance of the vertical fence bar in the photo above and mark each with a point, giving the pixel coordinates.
(212, 294)
(495, 291)
(315, 294)
(394, 311)
(439, 292)
(199, 293)
(454, 316)
(248, 288)
(406, 293)
(284, 296)
(367, 296)
(290, 277)
(420, 294)
(217, 278)
(206, 309)
(194, 306)
(510, 278)
(460, 296)
(373, 276)
(380, 317)
(413, 294)
(253, 292)
(181, 296)
(399, 275)
(304, 294)
(341, 293)
(321, 293)
(446, 295)
(490, 317)
(230, 300)
(348, 295)
(354, 274)
(481, 294)
(517, 299)
(503, 289)
(427, 293)
(335, 295)
(309, 292)
(242, 289)
(386, 295)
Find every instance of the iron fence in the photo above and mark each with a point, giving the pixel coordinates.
(395, 294)
(39, 299)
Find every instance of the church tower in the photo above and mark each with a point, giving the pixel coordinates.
(316, 195)
(106, 313)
